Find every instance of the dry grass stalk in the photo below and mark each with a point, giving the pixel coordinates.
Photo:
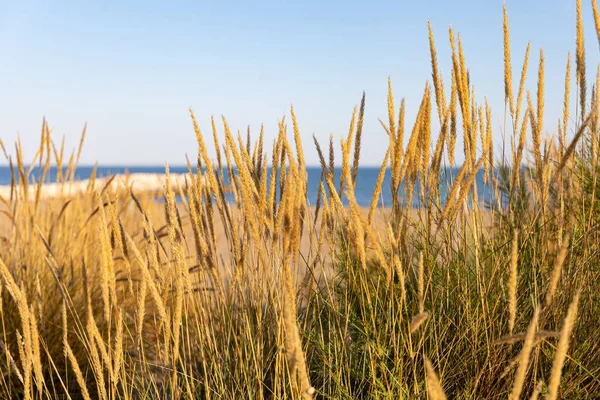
(524, 358)
(25, 366)
(454, 191)
(401, 278)
(36, 355)
(565, 104)
(453, 119)
(413, 147)
(11, 362)
(596, 19)
(535, 136)
(540, 335)
(536, 391)
(295, 355)
(522, 85)
(571, 148)
(417, 321)
(397, 151)
(518, 155)
(118, 351)
(562, 348)
(203, 153)
(508, 95)
(3, 148)
(331, 156)
(557, 270)
(468, 187)
(580, 62)
(71, 357)
(391, 111)
(346, 153)
(512, 283)
(436, 162)
(297, 140)
(355, 227)
(595, 121)
(434, 386)
(465, 82)
(378, 186)
(425, 138)
(357, 142)
(107, 264)
(489, 146)
(540, 95)
(400, 133)
(421, 284)
(437, 82)
(483, 138)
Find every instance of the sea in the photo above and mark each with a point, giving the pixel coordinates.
(365, 181)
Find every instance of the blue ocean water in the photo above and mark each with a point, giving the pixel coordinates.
(365, 182)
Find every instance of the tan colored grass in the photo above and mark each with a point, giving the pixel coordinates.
(453, 118)
(536, 391)
(489, 140)
(397, 152)
(417, 320)
(357, 141)
(540, 335)
(436, 162)
(571, 148)
(522, 84)
(562, 348)
(72, 359)
(346, 153)
(425, 137)
(512, 283)
(378, 186)
(565, 104)
(411, 160)
(540, 95)
(391, 110)
(297, 140)
(401, 277)
(557, 270)
(524, 358)
(266, 296)
(467, 187)
(508, 95)
(518, 155)
(434, 386)
(580, 62)
(596, 19)
(11, 362)
(421, 284)
(295, 355)
(535, 136)
(435, 74)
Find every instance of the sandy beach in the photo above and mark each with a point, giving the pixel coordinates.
(138, 182)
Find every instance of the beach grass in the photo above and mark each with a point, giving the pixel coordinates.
(108, 292)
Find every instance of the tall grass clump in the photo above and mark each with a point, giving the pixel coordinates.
(233, 286)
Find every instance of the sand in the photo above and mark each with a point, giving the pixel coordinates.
(139, 182)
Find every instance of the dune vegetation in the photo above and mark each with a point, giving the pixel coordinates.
(110, 293)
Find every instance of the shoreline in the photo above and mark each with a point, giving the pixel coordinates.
(139, 182)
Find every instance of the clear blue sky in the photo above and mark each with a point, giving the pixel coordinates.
(131, 69)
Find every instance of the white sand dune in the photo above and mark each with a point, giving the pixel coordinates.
(139, 182)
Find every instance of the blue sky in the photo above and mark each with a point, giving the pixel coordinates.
(132, 69)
